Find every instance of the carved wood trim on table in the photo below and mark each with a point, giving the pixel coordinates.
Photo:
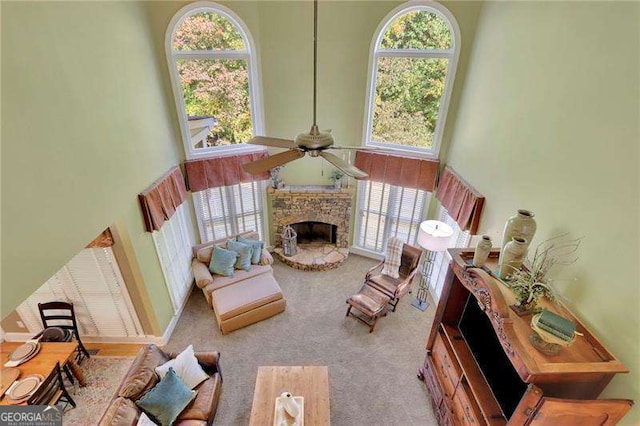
(494, 305)
(560, 388)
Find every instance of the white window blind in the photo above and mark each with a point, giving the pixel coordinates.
(229, 210)
(93, 283)
(173, 245)
(459, 238)
(385, 211)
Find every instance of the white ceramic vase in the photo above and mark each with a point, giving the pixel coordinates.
(290, 405)
(521, 225)
(512, 256)
(483, 248)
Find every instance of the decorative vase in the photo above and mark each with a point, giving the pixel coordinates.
(483, 248)
(337, 184)
(521, 225)
(290, 405)
(512, 256)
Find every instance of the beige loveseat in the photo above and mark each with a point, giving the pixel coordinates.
(241, 300)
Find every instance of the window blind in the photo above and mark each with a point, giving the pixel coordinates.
(173, 244)
(387, 210)
(228, 210)
(93, 283)
(459, 238)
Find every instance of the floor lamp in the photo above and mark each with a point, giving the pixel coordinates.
(433, 237)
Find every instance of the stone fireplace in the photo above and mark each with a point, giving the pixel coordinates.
(321, 216)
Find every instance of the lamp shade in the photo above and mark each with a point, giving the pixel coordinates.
(434, 235)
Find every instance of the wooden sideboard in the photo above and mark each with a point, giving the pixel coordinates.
(482, 369)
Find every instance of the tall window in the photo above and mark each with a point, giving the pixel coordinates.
(412, 66)
(229, 210)
(386, 211)
(173, 245)
(214, 77)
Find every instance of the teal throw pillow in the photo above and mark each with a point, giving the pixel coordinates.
(167, 399)
(244, 254)
(222, 261)
(257, 248)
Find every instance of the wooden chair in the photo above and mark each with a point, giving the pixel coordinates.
(52, 391)
(396, 288)
(65, 320)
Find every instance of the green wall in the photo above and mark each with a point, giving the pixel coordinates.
(548, 121)
(544, 115)
(86, 126)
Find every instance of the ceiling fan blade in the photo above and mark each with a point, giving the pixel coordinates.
(358, 148)
(266, 164)
(272, 142)
(344, 166)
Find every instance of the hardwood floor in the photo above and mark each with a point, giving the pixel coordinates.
(115, 349)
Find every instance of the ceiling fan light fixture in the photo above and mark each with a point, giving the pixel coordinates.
(312, 140)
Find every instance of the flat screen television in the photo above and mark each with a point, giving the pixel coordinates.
(477, 331)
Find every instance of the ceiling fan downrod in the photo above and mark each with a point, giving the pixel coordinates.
(314, 127)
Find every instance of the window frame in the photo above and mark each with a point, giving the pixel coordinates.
(258, 187)
(250, 55)
(177, 272)
(391, 215)
(375, 53)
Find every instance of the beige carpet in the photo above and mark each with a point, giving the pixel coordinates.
(372, 377)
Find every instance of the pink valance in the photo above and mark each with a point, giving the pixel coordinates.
(397, 170)
(222, 171)
(462, 201)
(160, 200)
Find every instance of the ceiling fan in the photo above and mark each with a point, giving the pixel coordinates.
(313, 142)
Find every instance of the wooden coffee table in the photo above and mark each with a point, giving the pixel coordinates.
(310, 382)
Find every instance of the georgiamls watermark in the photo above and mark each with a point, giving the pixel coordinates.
(30, 415)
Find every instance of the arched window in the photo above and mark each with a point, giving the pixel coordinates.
(411, 69)
(215, 80)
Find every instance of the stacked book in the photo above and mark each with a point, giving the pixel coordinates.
(555, 325)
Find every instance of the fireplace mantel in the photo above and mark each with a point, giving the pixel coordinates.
(313, 189)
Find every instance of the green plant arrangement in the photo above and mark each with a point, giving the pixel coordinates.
(533, 282)
(336, 175)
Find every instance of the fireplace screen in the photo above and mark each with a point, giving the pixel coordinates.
(315, 232)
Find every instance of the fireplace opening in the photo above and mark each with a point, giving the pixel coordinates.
(315, 232)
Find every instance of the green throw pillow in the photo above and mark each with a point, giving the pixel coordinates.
(244, 254)
(167, 399)
(222, 261)
(257, 248)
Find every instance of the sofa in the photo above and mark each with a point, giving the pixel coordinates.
(142, 376)
(247, 297)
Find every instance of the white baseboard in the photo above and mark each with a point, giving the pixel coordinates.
(366, 253)
(142, 339)
(435, 297)
(174, 321)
